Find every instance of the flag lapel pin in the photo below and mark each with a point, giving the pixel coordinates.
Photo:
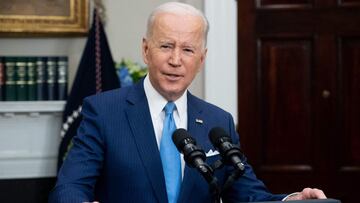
(199, 121)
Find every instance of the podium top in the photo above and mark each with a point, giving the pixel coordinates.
(305, 201)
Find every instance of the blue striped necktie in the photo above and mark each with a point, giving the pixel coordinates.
(170, 156)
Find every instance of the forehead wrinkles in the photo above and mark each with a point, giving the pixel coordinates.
(183, 29)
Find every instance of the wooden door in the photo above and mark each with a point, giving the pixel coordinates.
(299, 93)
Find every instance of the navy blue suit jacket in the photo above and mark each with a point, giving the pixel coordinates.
(115, 157)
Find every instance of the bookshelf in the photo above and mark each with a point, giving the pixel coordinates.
(29, 138)
(32, 90)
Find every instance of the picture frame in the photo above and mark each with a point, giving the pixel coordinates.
(44, 18)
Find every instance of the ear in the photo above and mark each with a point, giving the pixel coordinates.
(145, 50)
(202, 59)
(203, 56)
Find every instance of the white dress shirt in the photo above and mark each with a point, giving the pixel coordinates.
(156, 104)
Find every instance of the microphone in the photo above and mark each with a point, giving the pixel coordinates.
(193, 155)
(230, 153)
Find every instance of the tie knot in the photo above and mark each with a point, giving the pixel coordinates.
(169, 107)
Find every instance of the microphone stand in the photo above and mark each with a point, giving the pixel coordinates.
(236, 174)
(208, 173)
(215, 191)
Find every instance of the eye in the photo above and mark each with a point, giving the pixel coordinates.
(165, 46)
(188, 50)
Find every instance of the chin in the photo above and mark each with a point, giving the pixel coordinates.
(172, 94)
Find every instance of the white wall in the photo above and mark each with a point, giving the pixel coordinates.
(220, 79)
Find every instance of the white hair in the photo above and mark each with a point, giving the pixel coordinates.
(180, 9)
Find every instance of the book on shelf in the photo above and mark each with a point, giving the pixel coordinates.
(2, 79)
(31, 82)
(50, 78)
(61, 78)
(10, 78)
(40, 78)
(20, 81)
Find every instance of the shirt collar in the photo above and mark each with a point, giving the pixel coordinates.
(157, 102)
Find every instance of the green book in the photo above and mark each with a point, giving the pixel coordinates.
(21, 77)
(10, 86)
(61, 80)
(40, 78)
(50, 78)
(2, 79)
(31, 81)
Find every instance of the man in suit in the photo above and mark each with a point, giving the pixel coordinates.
(117, 153)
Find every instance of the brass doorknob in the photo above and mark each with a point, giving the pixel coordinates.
(325, 94)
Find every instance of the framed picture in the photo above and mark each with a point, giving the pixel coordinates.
(44, 17)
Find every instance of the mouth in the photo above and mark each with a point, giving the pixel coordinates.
(172, 77)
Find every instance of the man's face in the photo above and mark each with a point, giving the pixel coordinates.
(174, 53)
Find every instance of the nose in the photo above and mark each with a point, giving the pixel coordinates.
(175, 58)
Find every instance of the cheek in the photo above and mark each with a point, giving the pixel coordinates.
(158, 59)
(194, 66)
(192, 75)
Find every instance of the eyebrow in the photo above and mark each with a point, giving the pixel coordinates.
(183, 45)
(165, 41)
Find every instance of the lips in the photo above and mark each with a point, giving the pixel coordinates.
(172, 77)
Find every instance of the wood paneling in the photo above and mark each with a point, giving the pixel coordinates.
(282, 3)
(350, 78)
(285, 95)
(299, 93)
(349, 2)
(32, 190)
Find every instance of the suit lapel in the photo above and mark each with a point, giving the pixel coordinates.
(139, 118)
(197, 130)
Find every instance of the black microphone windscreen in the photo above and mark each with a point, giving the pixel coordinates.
(216, 134)
(178, 136)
